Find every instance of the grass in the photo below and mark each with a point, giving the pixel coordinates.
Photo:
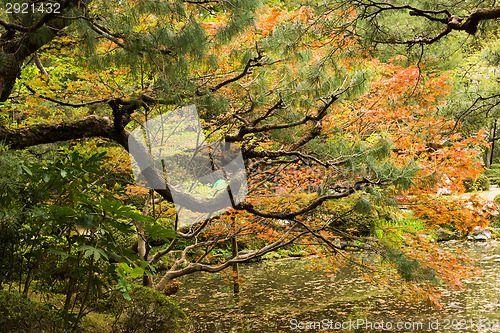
(408, 223)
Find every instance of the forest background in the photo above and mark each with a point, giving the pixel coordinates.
(345, 112)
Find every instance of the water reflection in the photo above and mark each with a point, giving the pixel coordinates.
(279, 296)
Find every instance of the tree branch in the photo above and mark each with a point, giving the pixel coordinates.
(176, 271)
(284, 215)
(15, 49)
(74, 105)
(90, 126)
(452, 22)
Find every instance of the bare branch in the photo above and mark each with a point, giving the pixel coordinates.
(106, 35)
(74, 105)
(13, 26)
(176, 271)
(253, 62)
(452, 22)
(40, 67)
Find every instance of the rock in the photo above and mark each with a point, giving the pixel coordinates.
(454, 306)
(494, 233)
(172, 287)
(444, 235)
(422, 235)
(480, 234)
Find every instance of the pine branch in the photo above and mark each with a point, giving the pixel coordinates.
(62, 103)
(253, 62)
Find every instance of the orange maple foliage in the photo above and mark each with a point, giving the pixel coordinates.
(401, 105)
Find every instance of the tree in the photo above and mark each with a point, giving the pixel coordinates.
(430, 26)
(277, 81)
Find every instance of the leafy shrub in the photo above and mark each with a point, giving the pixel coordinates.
(493, 174)
(356, 223)
(482, 183)
(495, 220)
(147, 311)
(497, 199)
(20, 314)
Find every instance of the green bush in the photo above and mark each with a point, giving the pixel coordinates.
(356, 223)
(20, 314)
(495, 222)
(493, 174)
(482, 183)
(147, 311)
(497, 199)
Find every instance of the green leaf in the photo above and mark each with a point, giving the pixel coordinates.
(111, 205)
(26, 169)
(63, 211)
(122, 269)
(122, 227)
(85, 200)
(136, 216)
(63, 254)
(136, 272)
(124, 287)
(90, 250)
(158, 232)
(102, 254)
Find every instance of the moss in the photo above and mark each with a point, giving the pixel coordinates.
(20, 314)
(148, 310)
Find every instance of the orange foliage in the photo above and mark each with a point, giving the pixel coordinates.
(401, 105)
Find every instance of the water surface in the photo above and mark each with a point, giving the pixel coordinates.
(281, 295)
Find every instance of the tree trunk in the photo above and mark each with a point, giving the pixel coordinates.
(492, 150)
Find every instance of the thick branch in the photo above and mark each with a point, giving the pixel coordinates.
(90, 126)
(95, 126)
(454, 22)
(470, 25)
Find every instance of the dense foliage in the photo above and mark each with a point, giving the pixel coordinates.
(343, 114)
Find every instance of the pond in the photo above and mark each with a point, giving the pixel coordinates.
(287, 296)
